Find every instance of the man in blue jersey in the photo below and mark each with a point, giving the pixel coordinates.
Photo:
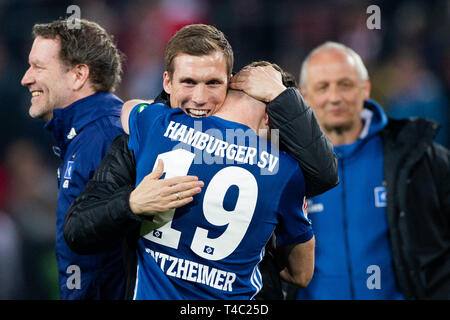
(383, 232)
(199, 62)
(211, 248)
(72, 74)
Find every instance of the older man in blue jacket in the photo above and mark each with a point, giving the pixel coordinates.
(383, 232)
(72, 74)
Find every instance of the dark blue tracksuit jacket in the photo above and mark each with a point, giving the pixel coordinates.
(83, 131)
(353, 257)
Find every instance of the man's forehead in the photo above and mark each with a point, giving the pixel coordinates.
(211, 57)
(195, 65)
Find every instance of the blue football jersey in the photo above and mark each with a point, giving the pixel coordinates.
(211, 248)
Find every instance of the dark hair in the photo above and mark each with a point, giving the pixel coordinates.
(198, 40)
(87, 44)
(287, 78)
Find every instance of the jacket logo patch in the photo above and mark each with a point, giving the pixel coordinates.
(69, 169)
(305, 207)
(380, 197)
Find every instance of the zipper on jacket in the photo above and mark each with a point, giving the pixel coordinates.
(344, 217)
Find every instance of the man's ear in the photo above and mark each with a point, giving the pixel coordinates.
(80, 76)
(167, 82)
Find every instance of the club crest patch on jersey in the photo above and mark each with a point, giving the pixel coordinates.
(208, 250)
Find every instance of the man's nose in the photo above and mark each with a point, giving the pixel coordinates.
(27, 78)
(334, 95)
(199, 94)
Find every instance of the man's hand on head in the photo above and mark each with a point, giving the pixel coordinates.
(261, 83)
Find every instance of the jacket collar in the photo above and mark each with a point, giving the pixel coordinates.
(70, 121)
(374, 119)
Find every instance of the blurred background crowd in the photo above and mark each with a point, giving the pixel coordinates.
(408, 60)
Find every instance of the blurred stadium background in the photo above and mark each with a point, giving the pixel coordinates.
(408, 60)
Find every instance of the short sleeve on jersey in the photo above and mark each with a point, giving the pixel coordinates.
(293, 226)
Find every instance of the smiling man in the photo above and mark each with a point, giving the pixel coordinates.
(336, 87)
(71, 77)
(197, 84)
(199, 62)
